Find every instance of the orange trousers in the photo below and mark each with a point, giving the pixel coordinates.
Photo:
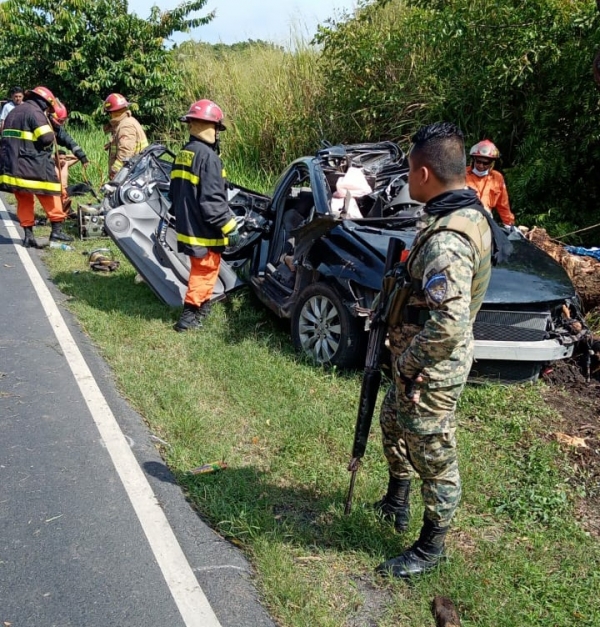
(52, 205)
(203, 277)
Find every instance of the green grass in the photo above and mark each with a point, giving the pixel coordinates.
(237, 392)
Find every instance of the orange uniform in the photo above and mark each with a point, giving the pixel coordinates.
(491, 190)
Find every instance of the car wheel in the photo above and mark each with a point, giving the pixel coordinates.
(324, 329)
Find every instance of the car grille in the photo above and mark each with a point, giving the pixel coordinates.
(511, 326)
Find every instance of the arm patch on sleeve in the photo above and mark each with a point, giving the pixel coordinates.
(436, 288)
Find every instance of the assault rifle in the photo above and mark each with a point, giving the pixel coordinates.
(393, 296)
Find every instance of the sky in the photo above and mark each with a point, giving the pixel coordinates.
(240, 20)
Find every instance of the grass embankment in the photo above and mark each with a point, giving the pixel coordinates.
(270, 98)
(237, 392)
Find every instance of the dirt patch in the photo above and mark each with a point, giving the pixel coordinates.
(578, 403)
(574, 384)
(583, 271)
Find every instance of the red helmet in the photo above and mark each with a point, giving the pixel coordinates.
(59, 114)
(207, 111)
(485, 149)
(42, 92)
(115, 102)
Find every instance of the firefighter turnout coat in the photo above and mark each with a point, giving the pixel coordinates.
(127, 138)
(202, 215)
(26, 162)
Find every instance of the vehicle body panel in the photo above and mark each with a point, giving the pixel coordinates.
(306, 261)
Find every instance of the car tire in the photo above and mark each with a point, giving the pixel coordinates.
(324, 329)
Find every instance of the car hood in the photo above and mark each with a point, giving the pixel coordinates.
(529, 276)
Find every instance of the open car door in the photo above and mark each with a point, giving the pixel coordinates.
(139, 221)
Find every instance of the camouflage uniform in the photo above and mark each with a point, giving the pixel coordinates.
(450, 266)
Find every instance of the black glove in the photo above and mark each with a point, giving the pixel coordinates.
(234, 237)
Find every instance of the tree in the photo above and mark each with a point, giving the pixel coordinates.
(85, 49)
(519, 73)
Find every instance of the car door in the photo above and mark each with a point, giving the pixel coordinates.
(138, 219)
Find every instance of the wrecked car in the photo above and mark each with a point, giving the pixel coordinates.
(314, 251)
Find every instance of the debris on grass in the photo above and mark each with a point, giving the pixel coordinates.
(208, 468)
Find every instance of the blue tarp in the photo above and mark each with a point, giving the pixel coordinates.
(586, 252)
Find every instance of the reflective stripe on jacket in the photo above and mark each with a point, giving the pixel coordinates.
(26, 163)
(127, 138)
(202, 215)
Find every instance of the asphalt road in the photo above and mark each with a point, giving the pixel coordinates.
(93, 529)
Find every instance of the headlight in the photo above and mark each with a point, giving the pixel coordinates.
(134, 194)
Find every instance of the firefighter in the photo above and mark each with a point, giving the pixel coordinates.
(487, 182)
(127, 137)
(27, 166)
(204, 222)
(63, 138)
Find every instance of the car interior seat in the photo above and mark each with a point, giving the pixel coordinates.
(297, 212)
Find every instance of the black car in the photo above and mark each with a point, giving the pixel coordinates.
(314, 253)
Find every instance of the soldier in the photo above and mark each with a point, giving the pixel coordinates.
(449, 266)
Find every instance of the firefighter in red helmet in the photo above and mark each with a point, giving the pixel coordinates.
(127, 137)
(27, 166)
(487, 182)
(204, 222)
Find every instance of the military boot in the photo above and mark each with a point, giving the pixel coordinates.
(28, 239)
(57, 234)
(395, 505)
(190, 319)
(425, 554)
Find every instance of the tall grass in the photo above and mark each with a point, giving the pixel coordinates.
(269, 97)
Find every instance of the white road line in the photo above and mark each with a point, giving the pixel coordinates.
(179, 576)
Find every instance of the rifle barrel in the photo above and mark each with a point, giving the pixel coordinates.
(371, 376)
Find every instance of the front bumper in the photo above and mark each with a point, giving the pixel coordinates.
(541, 351)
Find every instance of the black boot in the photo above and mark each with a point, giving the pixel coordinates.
(395, 503)
(425, 554)
(190, 318)
(57, 234)
(28, 239)
(205, 309)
